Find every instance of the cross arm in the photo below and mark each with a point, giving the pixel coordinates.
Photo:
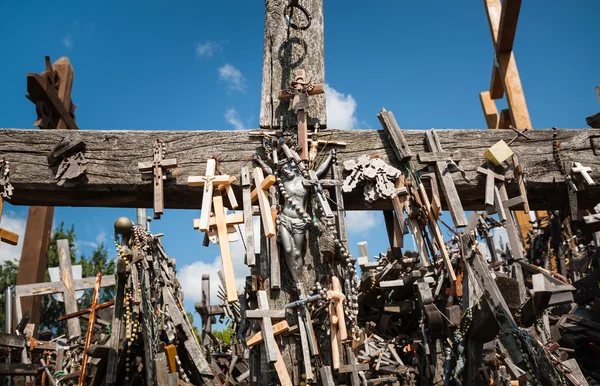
(201, 180)
(9, 237)
(258, 314)
(147, 166)
(317, 90)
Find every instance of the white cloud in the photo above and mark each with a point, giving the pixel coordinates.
(232, 77)
(101, 238)
(67, 41)
(207, 49)
(341, 110)
(361, 221)
(190, 276)
(16, 225)
(231, 116)
(84, 243)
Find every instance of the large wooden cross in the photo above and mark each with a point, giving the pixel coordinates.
(299, 91)
(157, 166)
(208, 181)
(7, 236)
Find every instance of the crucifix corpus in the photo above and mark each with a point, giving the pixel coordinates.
(157, 166)
(299, 91)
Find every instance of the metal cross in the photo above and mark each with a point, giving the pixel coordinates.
(156, 166)
(519, 134)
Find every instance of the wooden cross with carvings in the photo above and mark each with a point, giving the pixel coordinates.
(266, 326)
(7, 236)
(299, 91)
(441, 160)
(156, 166)
(208, 182)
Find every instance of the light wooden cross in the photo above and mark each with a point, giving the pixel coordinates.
(352, 367)
(440, 159)
(584, 171)
(300, 105)
(207, 181)
(222, 222)
(260, 193)
(7, 236)
(266, 326)
(156, 166)
(337, 320)
(490, 179)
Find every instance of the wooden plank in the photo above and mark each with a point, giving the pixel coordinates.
(509, 18)
(278, 67)
(248, 215)
(394, 135)
(278, 328)
(225, 249)
(27, 149)
(66, 272)
(490, 111)
(18, 369)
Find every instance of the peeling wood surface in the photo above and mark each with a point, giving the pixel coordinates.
(282, 56)
(114, 180)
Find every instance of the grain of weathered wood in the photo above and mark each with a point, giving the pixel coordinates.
(279, 56)
(113, 178)
(394, 134)
(248, 223)
(66, 273)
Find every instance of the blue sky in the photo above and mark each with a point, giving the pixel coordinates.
(197, 65)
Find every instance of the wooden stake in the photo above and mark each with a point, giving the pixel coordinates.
(222, 224)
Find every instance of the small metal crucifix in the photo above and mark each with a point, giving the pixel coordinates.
(298, 92)
(156, 166)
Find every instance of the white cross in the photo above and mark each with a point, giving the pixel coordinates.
(579, 168)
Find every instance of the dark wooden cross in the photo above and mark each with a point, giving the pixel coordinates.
(440, 159)
(299, 91)
(156, 166)
(352, 367)
(7, 236)
(206, 311)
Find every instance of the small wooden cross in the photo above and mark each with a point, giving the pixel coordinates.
(156, 166)
(511, 229)
(260, 193)
(440, 160)
(490, 177)
(353, 367)
(7, 236)
(222, 222)
(92, 320)
(265, 314)
(583, 170)
(207, 195)
(301, 89)
(337, 319)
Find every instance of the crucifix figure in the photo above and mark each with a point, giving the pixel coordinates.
(584, 171)
(207, 195)
(298, 92)
(315, 142)
(156, 166)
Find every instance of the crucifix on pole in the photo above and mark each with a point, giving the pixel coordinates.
(157, 166)
(299, 91)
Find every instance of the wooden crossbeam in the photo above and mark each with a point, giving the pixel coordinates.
(34, 182)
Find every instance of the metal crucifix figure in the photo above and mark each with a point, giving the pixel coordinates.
(293, 221)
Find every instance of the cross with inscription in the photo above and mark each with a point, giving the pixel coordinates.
(441, 160)
(298, 92)
(352, 367)
(222, 222)
(7, 236)
(156, 166)
(260, 193)
(207, 195)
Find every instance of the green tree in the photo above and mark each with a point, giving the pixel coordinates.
(195, 329)
(225, 334)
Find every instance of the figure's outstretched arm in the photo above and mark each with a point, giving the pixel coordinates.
(324, 167)
(266, 168)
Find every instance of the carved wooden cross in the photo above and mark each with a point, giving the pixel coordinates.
(300, 90)
(440, 160)
(156, 166)
(207, 195)
(352, 367)
(260, 193)
(490, 178)
(222, 222)
(337, 319)
(7, 236)
(583, 170)
(265, 315)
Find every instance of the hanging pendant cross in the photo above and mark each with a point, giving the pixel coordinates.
(156, 166)
(299, 91)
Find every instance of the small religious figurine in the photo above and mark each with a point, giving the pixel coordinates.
(293, 221)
